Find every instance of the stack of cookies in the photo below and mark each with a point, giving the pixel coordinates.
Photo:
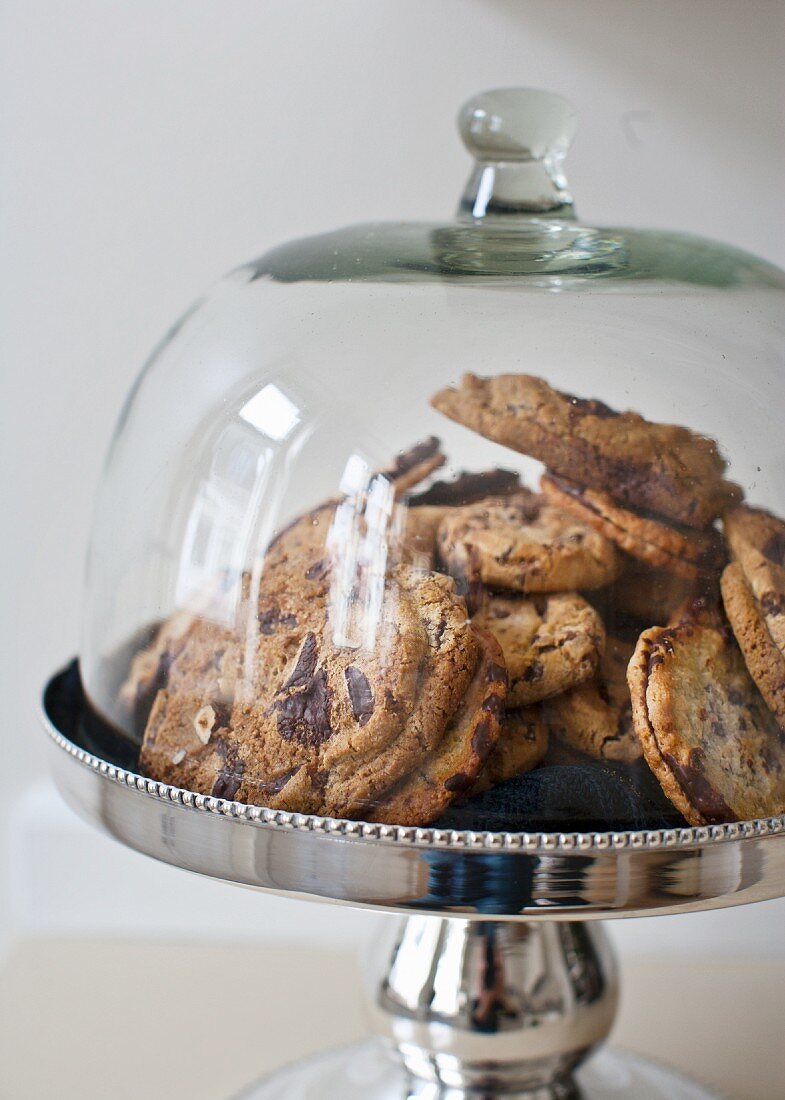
(397, 651)
(703, 697)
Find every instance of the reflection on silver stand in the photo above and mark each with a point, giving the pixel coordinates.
(485, 1010)
(500, 982)
(501, 1007)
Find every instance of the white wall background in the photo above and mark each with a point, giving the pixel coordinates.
(149, 145)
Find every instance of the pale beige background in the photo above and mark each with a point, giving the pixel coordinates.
(149, 145)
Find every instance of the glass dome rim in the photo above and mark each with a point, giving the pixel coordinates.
(544, 249)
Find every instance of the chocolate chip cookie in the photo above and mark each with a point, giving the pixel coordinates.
(764, 659)
(595, 718)
(686, 553)
(522, 744)
(425, 511)
(524, 544)
(706, 732)
(661, 468)
(340, 725)
(550, 643)
(330, 726)
(149, 670)
(451, 768)
(757, 542)
(186, 740)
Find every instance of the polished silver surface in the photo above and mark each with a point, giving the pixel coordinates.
(476, 1007)
(366, 1071)
(505, 1007)
(485, 875)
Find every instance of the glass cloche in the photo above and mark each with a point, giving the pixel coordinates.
(472, 523)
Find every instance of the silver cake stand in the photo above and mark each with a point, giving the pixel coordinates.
(499, 981)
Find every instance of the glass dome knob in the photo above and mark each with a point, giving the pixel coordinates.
(518, 137)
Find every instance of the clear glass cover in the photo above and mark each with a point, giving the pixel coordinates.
(325, 575)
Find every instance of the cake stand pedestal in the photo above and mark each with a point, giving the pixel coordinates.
(496, 984)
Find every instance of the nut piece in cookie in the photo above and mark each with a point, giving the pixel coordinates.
(452, 767)
(595, 719)
(550, 642)
(683, 552)
(706, 732)
(661, 468)
(757, 542)
(522, 744)
(524, 544)
(764, 659)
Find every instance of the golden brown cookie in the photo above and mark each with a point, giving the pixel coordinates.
(685, 553)
(149, 670)
(595, 718)
(661, 468)
(524, 544)
(522, 744)
(185, 739)
(550, 643)
(764, 659)
(357, 719)
(706, 732)
(757, 542)
(316, 726)
(451, 768)
(425, 511)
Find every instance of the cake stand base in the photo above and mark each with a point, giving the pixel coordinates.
(484, 1010)
(368, 1071)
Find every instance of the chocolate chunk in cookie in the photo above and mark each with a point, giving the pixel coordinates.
(452, 767)
(522, 744)
(763, 657)
(685, 553)
(550, 642)
(659, 468)
(706, 732)
(524, 544)
(595, 718)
